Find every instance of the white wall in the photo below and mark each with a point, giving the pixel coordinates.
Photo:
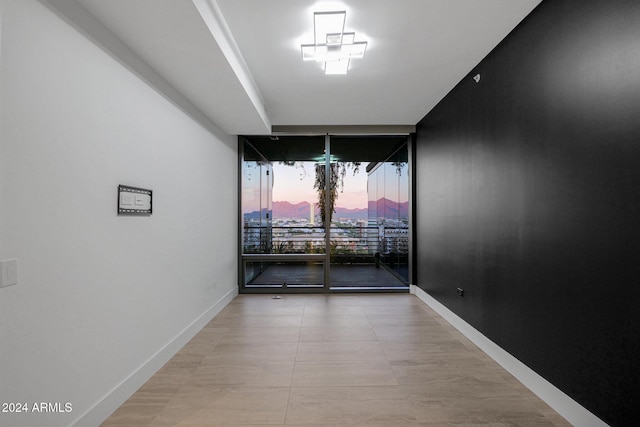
(100, 295)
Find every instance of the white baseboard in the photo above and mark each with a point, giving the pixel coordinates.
(99, 412)
(568, 408)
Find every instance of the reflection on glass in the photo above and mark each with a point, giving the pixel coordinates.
(389, 211)
(256, 202)
(350, 242)
(372, 193)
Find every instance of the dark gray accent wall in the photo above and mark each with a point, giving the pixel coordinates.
(528, 198)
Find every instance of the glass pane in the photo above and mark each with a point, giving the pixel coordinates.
(255, 205)
(284, 212)
(361, 206)
(390, 194)
(372, 193)
(382, 212)
(297, 227)
(279, 202)
(281, 212)
(395, 252)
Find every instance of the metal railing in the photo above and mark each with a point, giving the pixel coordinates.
(347, 240)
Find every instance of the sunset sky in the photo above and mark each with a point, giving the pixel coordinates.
(295, 184)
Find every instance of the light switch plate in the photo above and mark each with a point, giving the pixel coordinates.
(126, 200)
(9, 272)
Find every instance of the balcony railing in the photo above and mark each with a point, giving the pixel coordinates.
(345, 240)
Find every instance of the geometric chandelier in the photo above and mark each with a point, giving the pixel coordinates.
(331, 44)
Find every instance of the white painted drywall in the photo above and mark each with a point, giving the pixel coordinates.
(100, 295)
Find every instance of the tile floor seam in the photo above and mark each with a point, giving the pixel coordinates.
(295, 361)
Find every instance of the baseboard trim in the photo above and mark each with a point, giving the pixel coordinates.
(568, 408)
(100, 411)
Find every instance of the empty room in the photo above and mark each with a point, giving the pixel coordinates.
(319, 213)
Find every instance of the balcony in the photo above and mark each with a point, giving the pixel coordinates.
(360, 257)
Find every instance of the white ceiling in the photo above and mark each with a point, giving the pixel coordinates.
(238, 62)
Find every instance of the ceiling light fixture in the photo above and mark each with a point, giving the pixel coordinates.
(332, 45)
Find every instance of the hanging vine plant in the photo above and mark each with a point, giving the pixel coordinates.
(338, 173)
(319, 185)
(399, 166)
(297, 164)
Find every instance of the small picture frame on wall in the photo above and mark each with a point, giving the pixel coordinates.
(134, 201)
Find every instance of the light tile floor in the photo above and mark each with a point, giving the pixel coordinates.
(332, 360)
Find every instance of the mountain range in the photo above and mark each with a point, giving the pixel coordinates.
(385, 208)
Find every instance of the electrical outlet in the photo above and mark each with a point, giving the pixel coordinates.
(9, 272)
(461, 292)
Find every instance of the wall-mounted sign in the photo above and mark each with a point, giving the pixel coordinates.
(134, 201)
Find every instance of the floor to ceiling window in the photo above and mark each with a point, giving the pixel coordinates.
(322, 213)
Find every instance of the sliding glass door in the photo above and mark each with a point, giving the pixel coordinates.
(370, 225)
(322, 213)
(283, 240)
